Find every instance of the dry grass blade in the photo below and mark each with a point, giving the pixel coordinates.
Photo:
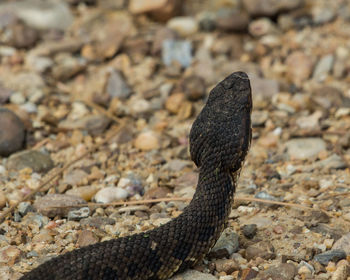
(167, 199)
(59, 172)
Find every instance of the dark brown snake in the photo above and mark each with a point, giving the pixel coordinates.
(219, 141)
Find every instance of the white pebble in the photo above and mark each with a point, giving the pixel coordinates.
(110, 194)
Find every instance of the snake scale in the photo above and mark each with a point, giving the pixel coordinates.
(219, 141)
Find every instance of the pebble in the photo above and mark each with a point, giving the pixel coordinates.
(93, 124)
(174, 102)
(299, 67)
(283, 271)
(9, 255)
(261, 27)
(342, 271)
(57, 14)
(2, 199)
(226, 245)
(162, 34)
(110, 194)
(323, 67)
(116, 85)
(52, 205)
(74, 177)
(333, 255)
(184, 26)
(97, 222)
(5, 94)
(161, 10)
(76, 215)
(231, 20)
(67, 66)
(85, 192)
(12, 132)
(262, 249)
(147, 141)
(193, 275)
(343, 243)
(250, 230)
(194, 87)
(269, 7)
(85, 238)
(33, 159)
(228, 266)
(264, 90)
(304, 148)
(25, 207)
(177, 51)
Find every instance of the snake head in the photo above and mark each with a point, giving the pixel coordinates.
(221, 134)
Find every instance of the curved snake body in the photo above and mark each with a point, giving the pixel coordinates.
(219, 141)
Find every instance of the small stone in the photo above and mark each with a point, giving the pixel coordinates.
(343, 243)
(299, 67)
(226, 245)
(9, 255)
(249, 274)
(261, 27)
(184, 26)
(57, 14)
(157, 192)
(161, 10)
(94, 124)
(161, 35)
(264, 90)
(305, 148)
(2, 199)
(146, 141)
(74, 177)
(270, 7)
(67, 66)
(116, 85)
(331, 255)
(250, 230)
(227, 266)
(25, 207)
(263, 249)
(177, 51)
(232, 20)
(85, 238)
(76, 215)
(283, 271)
(37, 161)
(5, 94)
(12, 132)
(52, 205)
(193, 275)
(323, 67)
(174, 101)
(304, 270)
(342, 271)
(97, 222)
(194, 87)
(85, 192)
(110, 194)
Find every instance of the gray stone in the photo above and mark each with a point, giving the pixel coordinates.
(226, 245)
(283, 271)
(323, 67)
(343, 244)
(193, 275)
(25, 207)
(116, 85)
(250, 230)
(305, 148)
(263, 249)
(76, 215)
(331, 255)
(177, 51)
(270, 7)
(52, 205)
(36, 160)
(12, 132)
(49, 14)
(232, 19)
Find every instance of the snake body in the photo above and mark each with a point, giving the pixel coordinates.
(219, 141)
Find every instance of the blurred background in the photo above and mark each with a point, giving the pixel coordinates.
(71, 71)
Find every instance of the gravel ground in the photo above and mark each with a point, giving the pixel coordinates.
(118, 84)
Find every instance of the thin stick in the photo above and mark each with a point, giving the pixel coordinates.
(59, 172)
(167, 199)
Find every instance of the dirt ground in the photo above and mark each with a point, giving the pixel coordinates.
(97, 98)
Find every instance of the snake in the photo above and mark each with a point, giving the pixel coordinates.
(219, 142)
